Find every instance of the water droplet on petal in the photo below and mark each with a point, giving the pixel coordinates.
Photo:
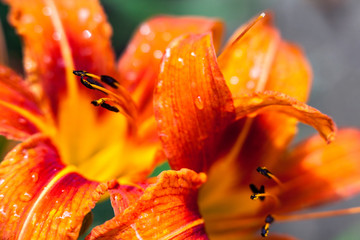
(145, 47)
(65, 214)
(47, 11)
(158, 54)
(83, 14)
(86, 34)
(234, 80)
(26, 197)
(34, 177)
(199, 103)
(250, 84)
(181, 60)
(56, 36)
(145, 29)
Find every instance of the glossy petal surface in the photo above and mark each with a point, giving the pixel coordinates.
(20, 115)
(41, 197)
(166, 209)
(61, 36)
(140, 64)
(192, 103)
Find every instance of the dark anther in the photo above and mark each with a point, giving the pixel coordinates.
(79, 73)
(109, 81)
(264, 171)
(264, 231)
(256, 191)
(92, 81)
(269, 219)
(109, 107)
(89, 82)
(95, 103)
(86, 83)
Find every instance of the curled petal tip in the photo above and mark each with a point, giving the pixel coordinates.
(330, 137)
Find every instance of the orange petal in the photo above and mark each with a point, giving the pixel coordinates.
(166, 210)
(20, 113)
(51, 57)
(260, 60)
(192, 103)
(252, 104)
(40, 197)
(124, 196)
(316, 173)
(246, 61)
(140, 63)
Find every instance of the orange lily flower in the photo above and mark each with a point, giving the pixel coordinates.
(71, 149)
(229, 117)
(236, 114)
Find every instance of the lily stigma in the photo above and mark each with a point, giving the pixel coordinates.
(73, 153)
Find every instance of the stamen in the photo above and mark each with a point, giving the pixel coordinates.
(260, 194)
(101, 102)
(109, 81)
(120, 100)
(264, 171)
(265, 229)
(257, 191)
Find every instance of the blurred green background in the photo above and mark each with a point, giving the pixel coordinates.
(329, 32)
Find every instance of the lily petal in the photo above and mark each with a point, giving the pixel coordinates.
(139, 65)
(40, 197)
(21, 116)
(247, 59)
(61, 36)
(252, 104)
(318, 173)
(192, 104)
(257, 59)
(167, 209)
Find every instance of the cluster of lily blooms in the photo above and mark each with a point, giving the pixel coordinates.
(223, 120)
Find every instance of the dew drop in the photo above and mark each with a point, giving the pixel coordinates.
(29, 64)
(66, 214)
(199, 103)
(2, 181)
(158, 54)
(2, 196)
(145, 29)
(2, 211)
(234, 80)
(22, 120)
(86, 34)
(193, 54)
(181, 60)
(250, 84)
(145, 47)
(26, 197)
(83, 14)
(47, 11)
(255, 72)
(34, 177)
(56, 36)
